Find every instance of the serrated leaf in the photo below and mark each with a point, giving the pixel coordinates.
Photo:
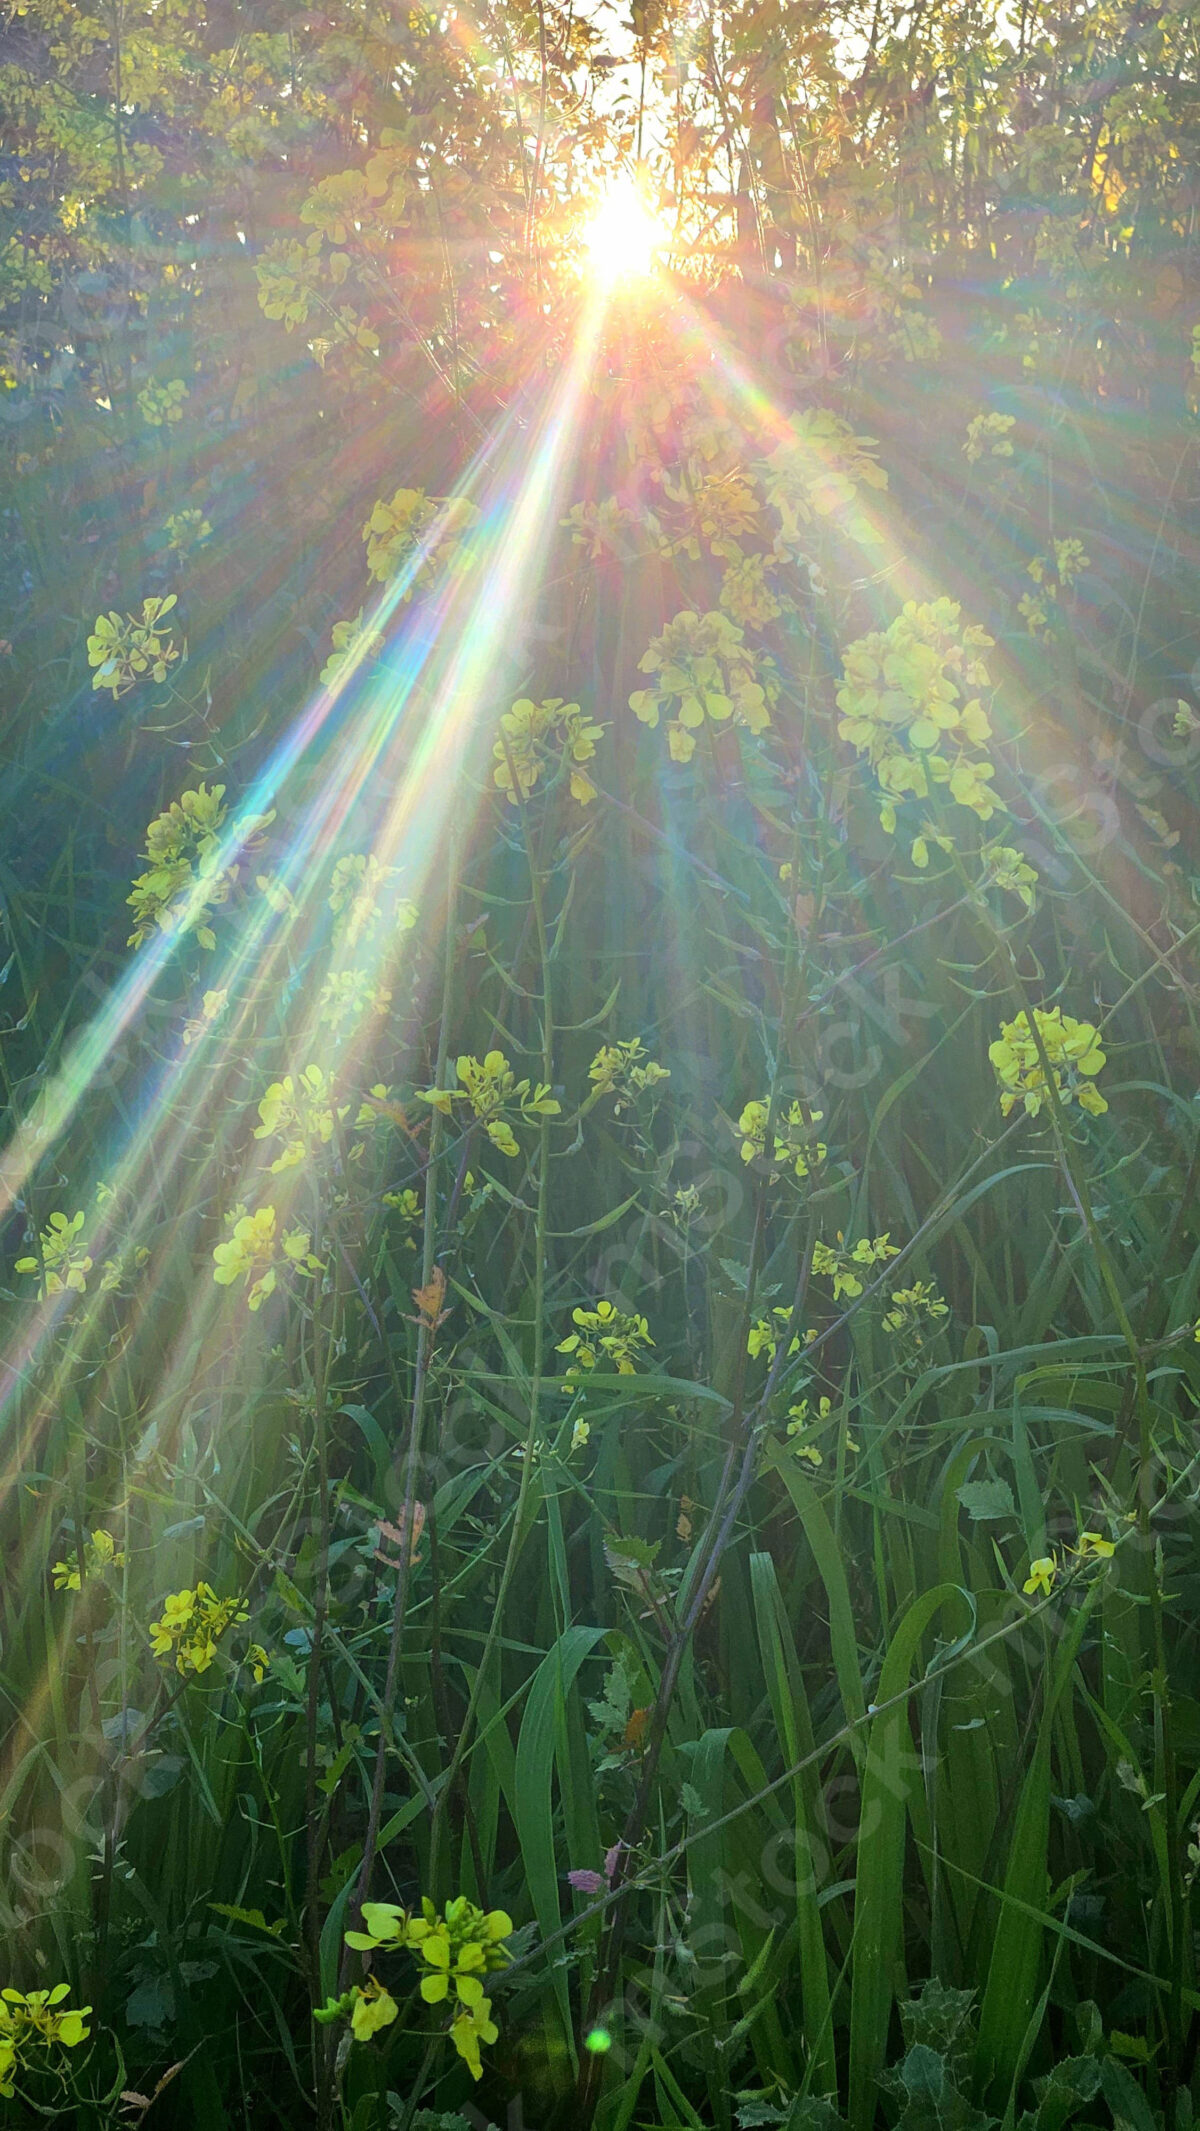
(986, 1501)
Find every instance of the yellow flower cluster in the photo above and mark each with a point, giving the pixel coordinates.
(766, 1332)
(413, 525)
(902, 704)
(212, 1006)
(817, 471)
(456, 1951)
(1069, 562)
(749, 594)
(288, 274)
(100, 1552)
(350, 643)
(67, 1265)
(185, 877)
(604, 528)
(1072, 1050)
(491, 1089)
(713, 509)
(192, 1625)
(538, 737)
(356, 888)
(915, 1311)
(186, 530)
(802, 1424)
(846, 1267)
(702, 670)
(348, 994)
(1043, 1572)
(123, 647)
(255, 1252)
(989, 434)
(605, 1334)
(395, 528)
(617, 1070)
(338, 205)
(32, 2020)
(1003, 867)
(407, 1204)
(300, 1114)
(364, 902)
(163, 404)
(794, 1142)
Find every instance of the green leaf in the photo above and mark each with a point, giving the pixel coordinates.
(888, 1782)
(252, 1918)
(533, 1814)
(986, 1501)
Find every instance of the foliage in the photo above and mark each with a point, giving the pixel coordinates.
(600, 1335)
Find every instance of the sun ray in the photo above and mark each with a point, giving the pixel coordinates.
(445, 655)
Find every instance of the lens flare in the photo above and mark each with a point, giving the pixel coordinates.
(623, 237)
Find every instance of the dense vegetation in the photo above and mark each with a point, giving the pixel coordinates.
(599, 1023)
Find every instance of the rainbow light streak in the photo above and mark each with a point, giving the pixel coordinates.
(894, 572)
(451, 647)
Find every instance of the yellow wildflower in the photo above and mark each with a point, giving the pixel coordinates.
(374, 2007)
(713, 510)
(185, 878)
(125, 647)
(387, 1925)
(163, 404)
(1092, 1546)
(1072, 1049)
(458, 1948)
(794, 1142)
(31, 2021)
(413, 534)
(748, 594)
(702, 670)
(212, 1006)
(192, 1624)
(186, 530)
(606, 1334)
(604, 528)
(617, 1070)
(250, 1254)
(765, 1333)
(1003, 867)
(1042, 1573)
(903, 707)
(989, 433)
(66, 1265)
(843, 1266)
(301, 1114)
(541, 737)
(914, 1311)
(491, 1089)
(471, 2026)
(352, 646)
(817, 471)
(359, 897)
(803, 1423)
(346, 996)
(100, 1552)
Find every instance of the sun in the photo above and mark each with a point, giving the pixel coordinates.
(623, 238)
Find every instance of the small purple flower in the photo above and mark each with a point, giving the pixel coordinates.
(586, 1882)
